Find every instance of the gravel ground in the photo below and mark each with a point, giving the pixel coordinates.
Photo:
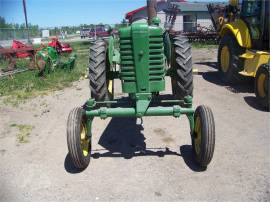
(40, 170)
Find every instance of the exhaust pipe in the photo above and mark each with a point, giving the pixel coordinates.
(151, 10)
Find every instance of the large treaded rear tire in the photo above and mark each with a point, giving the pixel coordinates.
(203, 138)
(231, 75)
(97, 71)
(262, 87)
(181, 62)
(76, 119)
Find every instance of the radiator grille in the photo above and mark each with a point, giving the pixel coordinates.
(156, 58)
(127, 61)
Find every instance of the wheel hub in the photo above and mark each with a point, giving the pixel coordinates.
(198, 135)
(225, 58)
(84, 140)
(261, 85)
(110, 86)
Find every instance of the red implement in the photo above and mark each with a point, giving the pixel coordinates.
(17, 50)
(60, 47)
(21, 49)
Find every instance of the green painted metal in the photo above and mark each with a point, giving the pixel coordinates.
(70, 63)
(110, 50)
(113, 53)
(89, 122)
(52, 59)
(48, 53)
(116, 56)
(142, 58)
(142, 103)
(155, 21)
(140, 39)
(175, 110)
(167, 47)
(142, 62)
(105, 112)
(50, 56)
(143, 50)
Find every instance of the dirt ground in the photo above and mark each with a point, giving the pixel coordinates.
(134, 163)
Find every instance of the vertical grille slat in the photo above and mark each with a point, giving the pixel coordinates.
(154, 63)
(156, 58)
(127, 62)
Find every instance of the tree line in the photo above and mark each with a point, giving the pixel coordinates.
(19, 31)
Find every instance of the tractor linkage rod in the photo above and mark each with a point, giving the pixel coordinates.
(105, 112)
(153, 101)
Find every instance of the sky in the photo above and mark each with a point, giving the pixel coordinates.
(51, 13)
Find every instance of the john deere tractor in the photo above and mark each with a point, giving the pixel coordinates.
(244, 45)
(146, 54)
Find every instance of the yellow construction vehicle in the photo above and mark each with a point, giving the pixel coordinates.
(244, 44)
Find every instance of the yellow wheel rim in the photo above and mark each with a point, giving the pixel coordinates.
(110, 86)
(198, 135)
(85, 140)
(261, 85)
(225, 58)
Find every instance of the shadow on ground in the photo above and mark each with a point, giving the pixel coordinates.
(123, 138)
(69, 166)
(252, 102)
(209, 64)
(215, 78)
(188, 156)
(246, 86)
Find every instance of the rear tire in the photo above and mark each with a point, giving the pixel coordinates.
(234, 65)
(203, 137)
(98, 72)
(262, 86)
(181, 62)
(78, 141)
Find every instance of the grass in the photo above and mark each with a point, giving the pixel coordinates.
(22, 86)
(80, 45)
(207, 44)
(24, 132)
(20, 63)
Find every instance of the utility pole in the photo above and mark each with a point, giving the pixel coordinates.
(26, 21)
(151, 10)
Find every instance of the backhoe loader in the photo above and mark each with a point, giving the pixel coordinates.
(244, 44)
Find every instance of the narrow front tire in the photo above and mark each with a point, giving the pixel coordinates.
(78, 138)
(203, 137)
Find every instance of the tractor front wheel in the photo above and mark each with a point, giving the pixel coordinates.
(262, 85)
(79, 138)
(203, 137)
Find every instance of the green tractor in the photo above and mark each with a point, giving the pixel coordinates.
(47, 60)
(146, 54)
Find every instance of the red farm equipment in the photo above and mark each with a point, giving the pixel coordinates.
(60, 47)
(18, 50)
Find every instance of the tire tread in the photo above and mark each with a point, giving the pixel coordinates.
(182, 68)
(263, 101)
(236, 64)
(73, 138)
(208, 135)
(97, 71)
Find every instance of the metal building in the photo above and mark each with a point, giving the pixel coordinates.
(190, 16)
